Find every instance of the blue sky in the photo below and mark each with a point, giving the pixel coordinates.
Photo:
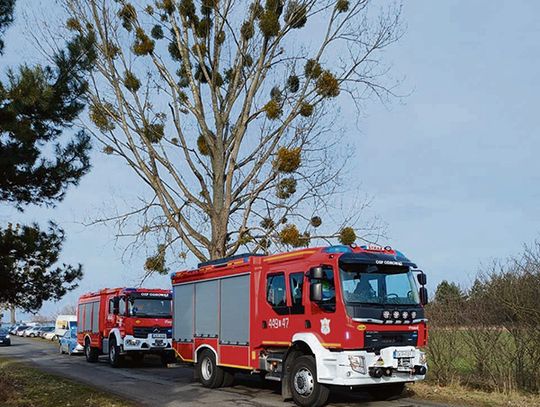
(452, 167)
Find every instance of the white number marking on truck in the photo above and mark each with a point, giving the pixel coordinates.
(276, 323)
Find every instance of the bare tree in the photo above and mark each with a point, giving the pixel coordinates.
(223, 109)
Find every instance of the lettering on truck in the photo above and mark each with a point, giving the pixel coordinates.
(311, 319)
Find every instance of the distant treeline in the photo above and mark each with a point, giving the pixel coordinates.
(488, 336)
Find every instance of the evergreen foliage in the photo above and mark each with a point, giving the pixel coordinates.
(38, 162)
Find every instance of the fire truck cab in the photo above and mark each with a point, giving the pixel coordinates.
(311, 318)
(125, 321)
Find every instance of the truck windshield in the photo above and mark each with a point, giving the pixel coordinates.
(150, 307)
(382, 285)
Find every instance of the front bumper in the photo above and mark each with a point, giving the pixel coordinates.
(352, 368)
(147, 344)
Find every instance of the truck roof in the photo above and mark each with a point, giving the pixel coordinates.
(369, 254)
(124, 290)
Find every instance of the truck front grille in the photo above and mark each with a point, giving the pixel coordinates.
(142, 332)
(376, 340)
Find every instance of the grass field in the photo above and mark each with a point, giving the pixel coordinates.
(25, 386)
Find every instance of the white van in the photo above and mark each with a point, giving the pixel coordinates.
(63, 324)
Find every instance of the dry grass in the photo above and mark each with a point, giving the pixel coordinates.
(24, 386)
(456, 394)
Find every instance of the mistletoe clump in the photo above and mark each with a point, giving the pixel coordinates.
(131, 82)
(327, 85)
(247, 30)
(256, 9)
(286, 188)
(347, 236)
(247, 60)
(174, 51)
(153, 132)
(166, 5)
(143, 45)
(156, 263)
(268, 223)
(312, 69)
(157, 32)
(73, 24)
(306, 109)
(101, 116)
(275, 94)
(288, 159)
(208, 6)
(110, 49)
(108, 150)
(315, 221)
(290, 235)
(203, 146)
(273, 109)
(293, 83)
(269, 24)
(342, 6)
(128, 15)
(187, 9)
(203, 27)
(296, 14)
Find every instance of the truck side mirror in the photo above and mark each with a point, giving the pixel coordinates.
(422, 280)
(316, 273)
(116, 305)
(423, 295)
(315, 292)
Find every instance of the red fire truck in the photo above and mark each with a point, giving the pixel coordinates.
(311, 318)
(125, 321)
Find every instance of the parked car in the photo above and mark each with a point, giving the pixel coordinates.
(13, 329)
(5, 338)
(50, 336)
(32, 332)
(43, 330)
(20, 329)
(68, 343)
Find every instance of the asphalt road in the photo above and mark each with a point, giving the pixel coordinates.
(151, 385)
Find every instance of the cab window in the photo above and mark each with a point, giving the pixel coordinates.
(276, 294)
(296, 284)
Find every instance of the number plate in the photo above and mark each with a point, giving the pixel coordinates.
(401, 354)
(159, 336)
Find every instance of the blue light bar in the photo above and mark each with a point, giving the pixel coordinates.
(340, 248)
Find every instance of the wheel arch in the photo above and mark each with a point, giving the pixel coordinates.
(202, 347)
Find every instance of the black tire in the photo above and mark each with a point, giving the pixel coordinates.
(228, 378)
(115, 359)
(209, 373)
(306, 391)
(387, 391)
(90, 353)
(167, 357)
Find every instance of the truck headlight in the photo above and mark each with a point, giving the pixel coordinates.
(422, 359)
(133, 342)
(7, 336)
(358, 364)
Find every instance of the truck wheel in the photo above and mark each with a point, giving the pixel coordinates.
(115, 359)
(306, 391)
(228, 378)
(90, 353)
(387, 391)
(210, 374)
(167, 357)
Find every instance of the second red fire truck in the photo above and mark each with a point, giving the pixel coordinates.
(311, 319)
(125, 321)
